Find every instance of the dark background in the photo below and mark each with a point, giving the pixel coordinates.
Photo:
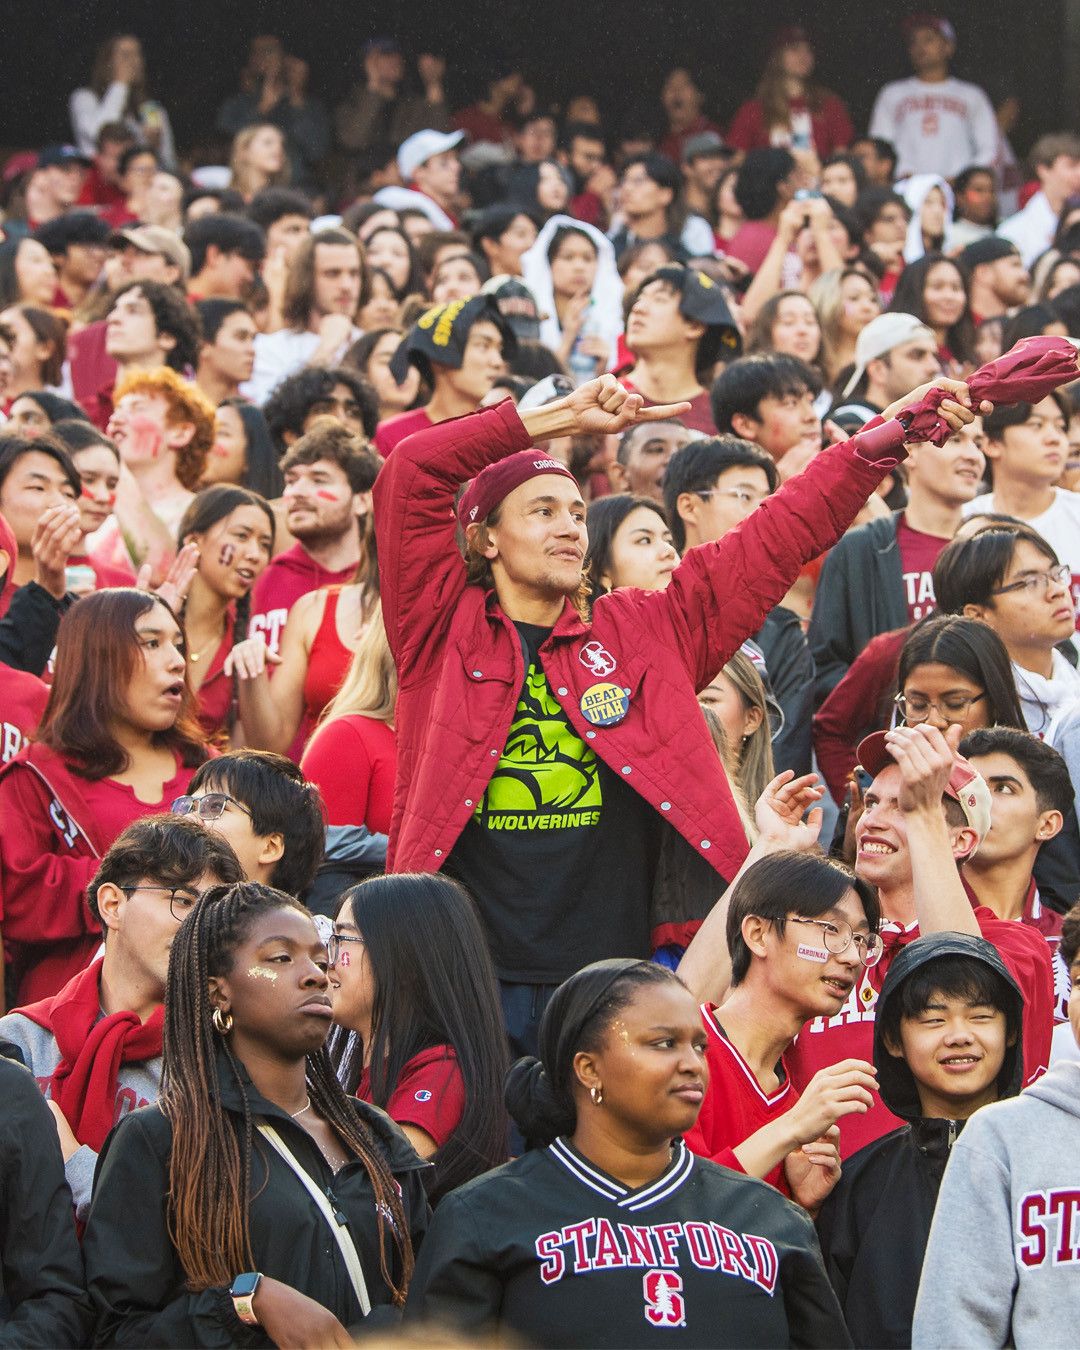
(617, 50)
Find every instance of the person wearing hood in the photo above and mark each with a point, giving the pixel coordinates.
(1009, 1194)
(931, 202)
(571, 272)
(459, 348)
(678, 326)
(946, 1042)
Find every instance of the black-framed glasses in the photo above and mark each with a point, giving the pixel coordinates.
(210, 807)
(181, 898)
(1052, 576)
(838, 936)
(913, 708)
(333, 945)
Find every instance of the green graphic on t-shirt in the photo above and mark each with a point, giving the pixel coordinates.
(547, 778)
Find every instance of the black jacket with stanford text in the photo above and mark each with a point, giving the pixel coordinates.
(875, 1224)
(133, 1273)
(562, 1254)
(42, 1300)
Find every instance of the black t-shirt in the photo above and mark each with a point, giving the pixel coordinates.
(560, 852)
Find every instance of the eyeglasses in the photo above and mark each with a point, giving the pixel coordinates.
(913, 708)
(742, 495)
(181, 899)
(839, 935)
(333, 945)
(1053, 576)
(210, 807)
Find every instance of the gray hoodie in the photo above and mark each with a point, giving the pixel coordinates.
(1003, 1261)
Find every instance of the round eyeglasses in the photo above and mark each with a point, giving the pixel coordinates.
(839, 935)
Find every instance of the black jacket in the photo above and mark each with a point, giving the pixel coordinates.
(132, 1272)
(561, 1254)
(28, 629)
(875, 1224)
(860, 594)
(791, 675)
(42, 1300)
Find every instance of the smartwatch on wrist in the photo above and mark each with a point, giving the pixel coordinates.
(242, 1293)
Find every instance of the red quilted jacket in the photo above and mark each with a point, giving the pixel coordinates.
(461, 667)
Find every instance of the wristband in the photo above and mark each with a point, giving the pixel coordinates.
(242, 1294)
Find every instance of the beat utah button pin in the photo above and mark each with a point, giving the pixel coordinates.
(604, 704)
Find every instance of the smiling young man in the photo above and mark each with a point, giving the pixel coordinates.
(538, 753)
(798, 930)
(879, 577)
(95, 1047)
(1026, 449)
(329, 474)
(460, 349)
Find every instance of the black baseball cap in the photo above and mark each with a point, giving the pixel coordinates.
(439, 336)
(702, 300)
(63, 157)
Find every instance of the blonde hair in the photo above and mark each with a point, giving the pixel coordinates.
(370, 685)
(731, 769)
(242, 179)
(827, 296)
(754, 757)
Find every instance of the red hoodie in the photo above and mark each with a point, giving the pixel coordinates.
(290, 575)
(54, 829)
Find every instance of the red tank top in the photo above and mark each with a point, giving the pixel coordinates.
(327, 663)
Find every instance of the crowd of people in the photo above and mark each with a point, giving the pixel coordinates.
(540, 716)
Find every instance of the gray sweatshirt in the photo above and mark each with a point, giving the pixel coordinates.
(1002, 1265)
(138, 1084)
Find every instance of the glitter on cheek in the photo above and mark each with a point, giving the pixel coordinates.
(261, 973)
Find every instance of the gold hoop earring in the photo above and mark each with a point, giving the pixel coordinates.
(223, 1021)
(597, 1094)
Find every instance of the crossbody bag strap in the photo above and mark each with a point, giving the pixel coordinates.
(341, 1233)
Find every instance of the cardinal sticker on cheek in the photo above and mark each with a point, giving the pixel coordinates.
(809, 953)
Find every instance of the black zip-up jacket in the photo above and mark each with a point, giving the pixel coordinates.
(28, 629)
(860, 594)
(875, 1224)
(133, 1273)
(42, 1299)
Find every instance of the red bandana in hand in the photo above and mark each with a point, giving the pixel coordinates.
(1026, 374)
(92, 1048)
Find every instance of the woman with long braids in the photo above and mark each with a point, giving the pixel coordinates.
(607, 1231)
(233, 529)
(418, 1027)
(255, 1203)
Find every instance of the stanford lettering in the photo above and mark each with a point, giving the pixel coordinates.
(597, 1244)
(1048, 1228)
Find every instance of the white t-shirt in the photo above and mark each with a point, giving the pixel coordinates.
(939, 127)
(1059, 526)
(1032, 229)
(280, 354)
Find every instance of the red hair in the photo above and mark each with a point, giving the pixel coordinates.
(97, 653)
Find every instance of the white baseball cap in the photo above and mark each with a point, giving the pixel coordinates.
(422, 146)
(881, 335)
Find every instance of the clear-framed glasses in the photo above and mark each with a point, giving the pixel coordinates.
(741, 495)
(913, 708)
(838, 936)
(210, 807)
(1036, 581)
(333, 945)
(181, 898)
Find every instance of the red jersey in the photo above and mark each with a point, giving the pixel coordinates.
(735, 1106)
(1049, 923)
(287, 577)
(352, 760)
(699, 418)
(918, 554)
(390, 433)
(430, 1093)
(850, 1034)
(22, 701)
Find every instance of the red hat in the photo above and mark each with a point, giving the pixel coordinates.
(497, 481)
(938, 23)
(966, 785)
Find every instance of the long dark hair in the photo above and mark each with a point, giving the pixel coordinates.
(262, 473)
(540, 1092)
(973, 649)
(434, 985)
(210, 1160)
(97, 653)
(908, 298)
(606, 514)
(48, 326)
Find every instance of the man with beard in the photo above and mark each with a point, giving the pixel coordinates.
(329, 474)
(541, 754)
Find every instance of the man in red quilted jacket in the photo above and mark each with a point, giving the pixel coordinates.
(545, 756)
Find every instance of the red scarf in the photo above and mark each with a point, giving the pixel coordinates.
(92, 1048)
